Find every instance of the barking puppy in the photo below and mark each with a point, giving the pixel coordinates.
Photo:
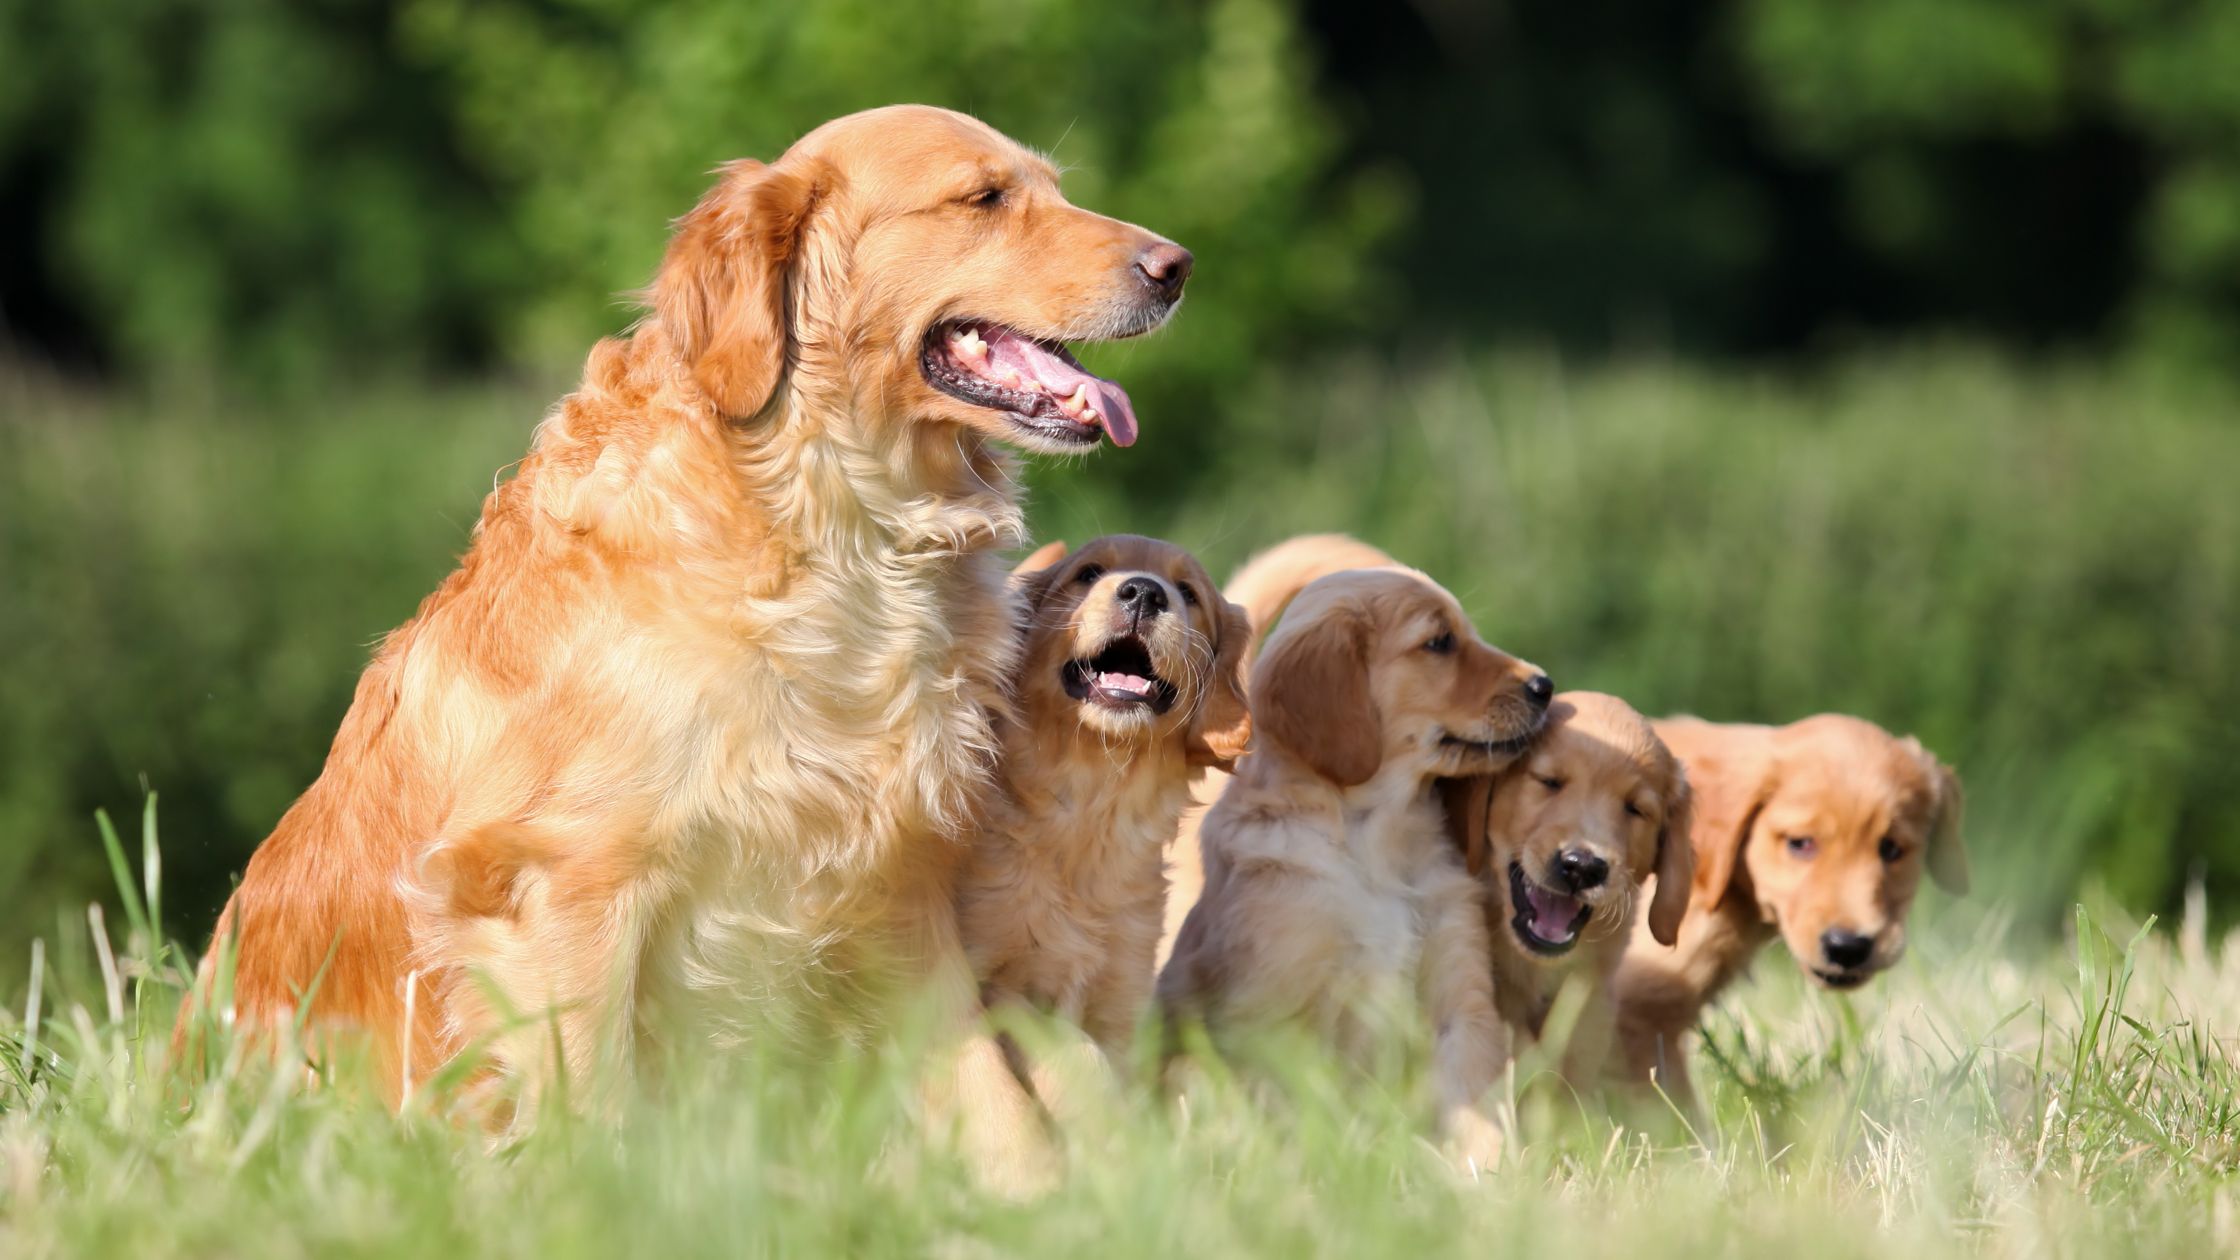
(1129, 689)
(690, 741)
(1817, 832)
(1568, 839)
(1332, 895)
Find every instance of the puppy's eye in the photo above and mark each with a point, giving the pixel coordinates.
(1441, 645)
(1553, 784)
(1890, 850)
(1802, 848)
(1089, 573)
(1189, 594)
(986, 199)
(1634, 810)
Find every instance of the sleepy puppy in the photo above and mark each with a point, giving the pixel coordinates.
(1569, 840)
(1817, 832)
(1332, 895)
(1130, 687)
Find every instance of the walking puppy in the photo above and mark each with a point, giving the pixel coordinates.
(1817, 832)
(1569, 840)
(689, 745)
(1130, 688)
(1333, 896)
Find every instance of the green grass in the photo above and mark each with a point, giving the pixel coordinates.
(2081, 1101)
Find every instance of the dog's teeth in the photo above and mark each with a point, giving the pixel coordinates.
(968, 345)
(1088, 413)
(1078, 401)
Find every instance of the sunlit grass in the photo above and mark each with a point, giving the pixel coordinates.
(2078, 1101)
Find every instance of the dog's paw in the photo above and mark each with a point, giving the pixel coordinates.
(1475, 1142)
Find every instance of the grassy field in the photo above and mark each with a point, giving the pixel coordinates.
(2036, 568)
(2079, 1102)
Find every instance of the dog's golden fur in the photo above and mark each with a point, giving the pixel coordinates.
(1598, 782)
(705, 713)
(1824, 824)
(1332, 895)
(1060, 905)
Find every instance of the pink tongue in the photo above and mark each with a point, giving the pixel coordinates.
(1060, 379)
(1125, 682)
(1552, 914)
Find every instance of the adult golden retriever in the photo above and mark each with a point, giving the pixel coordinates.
(1129, 690)
(1333, 897)
(1569, 840)
(698, 727)
(1817, 832)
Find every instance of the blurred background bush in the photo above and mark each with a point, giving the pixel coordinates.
(1752, 357)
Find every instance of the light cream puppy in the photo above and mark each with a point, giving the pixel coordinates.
(1333, 897)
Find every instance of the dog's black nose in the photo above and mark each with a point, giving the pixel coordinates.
(1582, 869)
(1142, 596)
(1539, 689)
(1846, 948)
(1166, 265)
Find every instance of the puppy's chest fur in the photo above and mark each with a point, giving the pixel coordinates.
(1067, 880)
(1525, 989)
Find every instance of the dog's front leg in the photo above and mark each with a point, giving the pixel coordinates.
(979, 1100)
(1470, 1042)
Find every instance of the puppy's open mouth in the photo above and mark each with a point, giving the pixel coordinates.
(1548, 922)
(1843, 979)
(1120, 677)
(1036, 383)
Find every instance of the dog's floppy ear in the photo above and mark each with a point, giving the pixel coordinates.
(1222, 727)
(1465, 804)
(721, 291)
(1039, 559)
(1947, 856)
(1033, 577)
(1676, 860)
(1310, 695)
(1730, 776)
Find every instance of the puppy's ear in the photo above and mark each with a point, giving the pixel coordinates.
(721, 291)
(1465, 804)
(1947, 856)
(1676, 860)
(1039, 559)
(1731, 774)
(1033, 578)
(1310, 695)
(1222, 727)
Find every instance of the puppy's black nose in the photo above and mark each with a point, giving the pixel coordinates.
(1582, 869)
(1846, 948)
(1142, 596)
(1165, 265)
(1539, 689)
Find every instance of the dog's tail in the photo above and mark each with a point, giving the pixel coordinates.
(1269, 581)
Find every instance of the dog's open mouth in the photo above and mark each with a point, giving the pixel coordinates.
(1851, 979)
(1036, 383)
(1548, 922)
(1120, 677)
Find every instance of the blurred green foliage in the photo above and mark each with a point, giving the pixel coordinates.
(2035, 570)
(264, 190)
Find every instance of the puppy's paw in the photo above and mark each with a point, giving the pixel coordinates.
(1475, 1142)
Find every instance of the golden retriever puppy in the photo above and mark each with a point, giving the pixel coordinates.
(1262, 588)
(1129, 690)
(1333, 896)
(1570, 840)
(691, 741)
(1817, 832)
